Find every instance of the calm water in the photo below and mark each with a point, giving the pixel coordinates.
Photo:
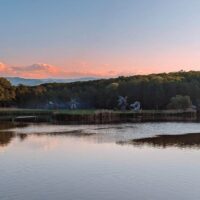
(101, 162)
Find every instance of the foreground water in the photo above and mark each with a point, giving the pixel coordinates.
(100, 162)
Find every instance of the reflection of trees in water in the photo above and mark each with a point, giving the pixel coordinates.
(9, 125)
(6, 137)
(182, 141)
(22, 136)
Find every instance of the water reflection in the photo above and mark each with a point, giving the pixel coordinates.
(10, 131)
(5, 138)
(190, 140)
(137, 134)
(22, 136)
(9, 125)
(44, 161)
(75, 133)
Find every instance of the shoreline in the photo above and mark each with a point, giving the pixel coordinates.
(97, 116)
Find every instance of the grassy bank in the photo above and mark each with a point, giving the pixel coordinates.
(95, 116)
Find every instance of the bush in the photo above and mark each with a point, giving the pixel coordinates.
(180, 102)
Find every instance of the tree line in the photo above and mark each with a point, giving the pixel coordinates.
(154, 91)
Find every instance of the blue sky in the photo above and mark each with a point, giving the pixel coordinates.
(98, 37)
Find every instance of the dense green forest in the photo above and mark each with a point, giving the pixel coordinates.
(154, 91)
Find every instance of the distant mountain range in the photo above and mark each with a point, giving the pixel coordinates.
(32, 82)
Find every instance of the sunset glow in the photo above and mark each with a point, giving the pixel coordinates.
(99, 38)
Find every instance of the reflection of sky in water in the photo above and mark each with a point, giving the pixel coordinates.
(108, 133)
(49, 166)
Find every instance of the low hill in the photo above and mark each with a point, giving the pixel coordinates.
(33, 82)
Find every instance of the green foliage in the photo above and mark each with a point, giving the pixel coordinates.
(154, 91)
(180, 102)
(7, 92)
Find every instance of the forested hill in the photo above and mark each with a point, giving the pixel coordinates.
(153, 91)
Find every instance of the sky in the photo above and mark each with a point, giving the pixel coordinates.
(98, 38)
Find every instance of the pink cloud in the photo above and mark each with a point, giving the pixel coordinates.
(2, 67)
(77, 69)
(5, 69)
(41, 70)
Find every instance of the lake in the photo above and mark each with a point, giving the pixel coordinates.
(141, 161)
